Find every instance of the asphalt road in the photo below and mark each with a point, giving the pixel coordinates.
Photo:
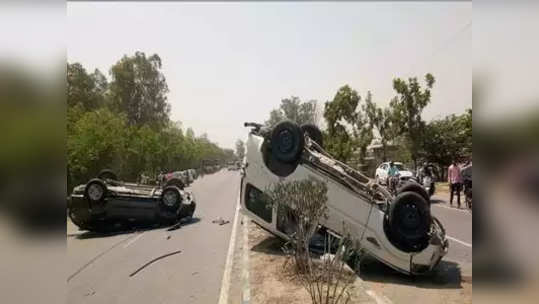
(458, 226)
(100, 265)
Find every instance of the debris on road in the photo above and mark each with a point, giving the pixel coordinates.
(154, 260)
(168, 237)
(220, 221)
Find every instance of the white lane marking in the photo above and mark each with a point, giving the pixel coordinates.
(225, 283)
(459, 241)
(379, 299)
(133, 240)
(246, 293)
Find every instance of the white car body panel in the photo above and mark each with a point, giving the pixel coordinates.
(362, 219)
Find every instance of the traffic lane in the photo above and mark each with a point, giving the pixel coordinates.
(192, 276)
(458, 226)
(457, 222)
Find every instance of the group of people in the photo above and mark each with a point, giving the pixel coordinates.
(459, 177)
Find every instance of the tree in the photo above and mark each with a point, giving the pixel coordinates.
(83, 89)
(139, 89)
(447, 139)
(132, 134)
(407, 107)
(295, 110)
(382, 120)
(301, 203)
(341, 115)
(97, 141)
(240, 149)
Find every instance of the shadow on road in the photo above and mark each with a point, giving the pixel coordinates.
(447, 275)
(437, 201)
(131, 228)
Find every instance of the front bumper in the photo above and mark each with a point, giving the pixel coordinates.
(430, 257)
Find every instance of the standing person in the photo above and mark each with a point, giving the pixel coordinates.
(455, 181)
(392, 176)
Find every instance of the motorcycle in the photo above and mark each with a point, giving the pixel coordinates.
(468, 192)
(429, 185)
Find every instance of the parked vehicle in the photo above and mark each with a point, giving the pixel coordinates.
(105, 202)
(429, 185)
(234, 166)
(179, 178)
(381, 174)
(397, 229)
(193, 173)
(466, 173)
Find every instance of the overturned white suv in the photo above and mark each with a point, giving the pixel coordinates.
(397, 230)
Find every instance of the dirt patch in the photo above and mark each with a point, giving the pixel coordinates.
(442, 189)
(272, 279)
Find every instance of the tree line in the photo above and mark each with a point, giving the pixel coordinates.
(351, 123)
(124, 124)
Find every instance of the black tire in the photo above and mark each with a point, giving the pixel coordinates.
(95, 191)
(314, 133)
(171, 198)
(175, 182)
(414, 187)
(287, 141)
(276, 166)
(107, 174)
(409, 222)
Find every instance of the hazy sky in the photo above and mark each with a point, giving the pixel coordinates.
(227, 63)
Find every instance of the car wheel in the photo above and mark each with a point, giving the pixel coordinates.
(107, 174)
(175, 182)
(171, 198)
(95, 191)
(314, 133)
(414, 187)
(287, 141)
(409, 222)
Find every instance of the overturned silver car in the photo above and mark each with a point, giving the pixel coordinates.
(396, 229)
(104, 202)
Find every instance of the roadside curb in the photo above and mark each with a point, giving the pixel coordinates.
(246, 291)
(225, 283)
